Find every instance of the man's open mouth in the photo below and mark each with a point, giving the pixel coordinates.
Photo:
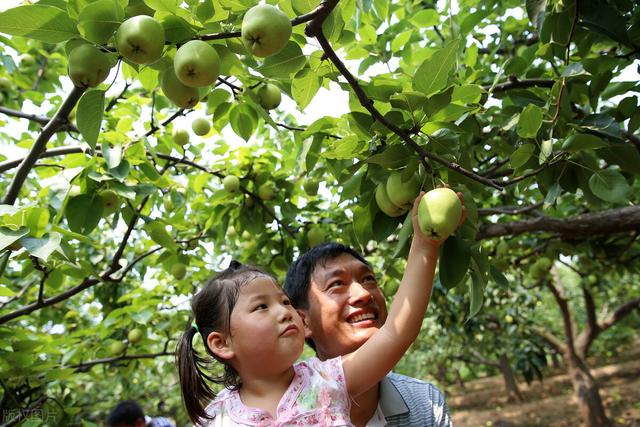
(360, 317)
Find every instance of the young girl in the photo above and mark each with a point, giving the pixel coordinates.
(249, 326)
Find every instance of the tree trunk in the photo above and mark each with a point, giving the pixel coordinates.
(513, 391)
(585, 391)
(459, 381)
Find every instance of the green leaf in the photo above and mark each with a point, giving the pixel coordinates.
(476, 292)
(99, 20)
(454, 262)
(242, 121)
(404, 236)
(44, 247)
(582, 141)
(45, 23)
(521, 155)
(530, 121)
(433, 74)
(285, 63)
(546, 149)
(8, 236)
(160, 235)
(468, 94)
(6, 292)
(362, 224)
(535, 12)
(37, 220)
(393, 156)
(169, 6)
(112, 156)
(304, 87)
(89, 115)
(425, 18)
(610, 186)
(177, 30)
(343, 148)
(83, 213)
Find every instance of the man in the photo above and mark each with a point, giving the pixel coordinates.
(334, 289)
(129, 414)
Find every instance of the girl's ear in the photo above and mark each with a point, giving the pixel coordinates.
(303, 316)
(219, 345)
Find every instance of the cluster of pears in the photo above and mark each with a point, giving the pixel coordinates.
(439, 212)
(134, 336)
(141, 39)
(265, 191)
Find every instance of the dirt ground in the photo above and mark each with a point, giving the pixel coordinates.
(550, 403)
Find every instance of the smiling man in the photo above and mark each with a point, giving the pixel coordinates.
(335, 290)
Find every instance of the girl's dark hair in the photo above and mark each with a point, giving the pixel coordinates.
(212, 307)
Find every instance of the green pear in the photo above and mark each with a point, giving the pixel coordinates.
(311, 187)
(111, 202)
(180, 136)
(403, 193)
(181, 95)
(88, 66)
(27, 60)
(270, 96)
(231, 183)
(134, 336)
(197, 64)
(140, 39)
(266, 191)
(117, 348)
(265, 30)
(179, 270)
(439, 213)
(315, 236)
(5, 85)
(385, 204)
(201, 126)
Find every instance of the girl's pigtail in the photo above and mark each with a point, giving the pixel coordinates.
(196, 392)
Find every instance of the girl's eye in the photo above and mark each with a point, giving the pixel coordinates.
(286, 302)
(261, 307)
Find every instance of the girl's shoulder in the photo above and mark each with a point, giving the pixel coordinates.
(330, 368)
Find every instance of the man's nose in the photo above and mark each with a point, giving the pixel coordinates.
(359, 294)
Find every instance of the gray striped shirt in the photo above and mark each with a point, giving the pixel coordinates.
(409, 402)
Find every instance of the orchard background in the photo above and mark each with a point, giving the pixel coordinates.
(107, 225)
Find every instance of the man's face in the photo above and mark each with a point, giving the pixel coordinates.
(346, 306)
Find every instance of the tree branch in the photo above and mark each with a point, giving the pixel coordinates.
(580, 226)
(524, 41)
(554, 286)
(551, 339)
(86, 366)
(59, 119)
(41, 120)
(314, 29)
(509, 210)
(515, 83)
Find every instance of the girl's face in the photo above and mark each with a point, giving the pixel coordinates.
(266, 333)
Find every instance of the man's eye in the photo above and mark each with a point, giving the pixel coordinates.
(334, 284)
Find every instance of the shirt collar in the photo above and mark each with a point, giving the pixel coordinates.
(391, 401)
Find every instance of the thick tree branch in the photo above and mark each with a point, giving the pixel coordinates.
(555, 286)
(619, 313)
(580, 226)
(314, 29)
(555, 342)
(592, 329)
(58, 120)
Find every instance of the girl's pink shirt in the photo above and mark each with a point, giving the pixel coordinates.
(317, 396)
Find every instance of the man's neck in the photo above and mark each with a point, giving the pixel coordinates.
(364, 406)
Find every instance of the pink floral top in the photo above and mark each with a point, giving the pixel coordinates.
(317, 396)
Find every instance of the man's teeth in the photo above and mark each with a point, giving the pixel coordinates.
(361, 317)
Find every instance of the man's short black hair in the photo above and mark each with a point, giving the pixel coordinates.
(126, 413)
(298, 280)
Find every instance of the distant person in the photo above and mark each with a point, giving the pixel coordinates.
(249, 326)
(129, 414)
(334, 289)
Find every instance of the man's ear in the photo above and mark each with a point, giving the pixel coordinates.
(220, 346)
(303, 315)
